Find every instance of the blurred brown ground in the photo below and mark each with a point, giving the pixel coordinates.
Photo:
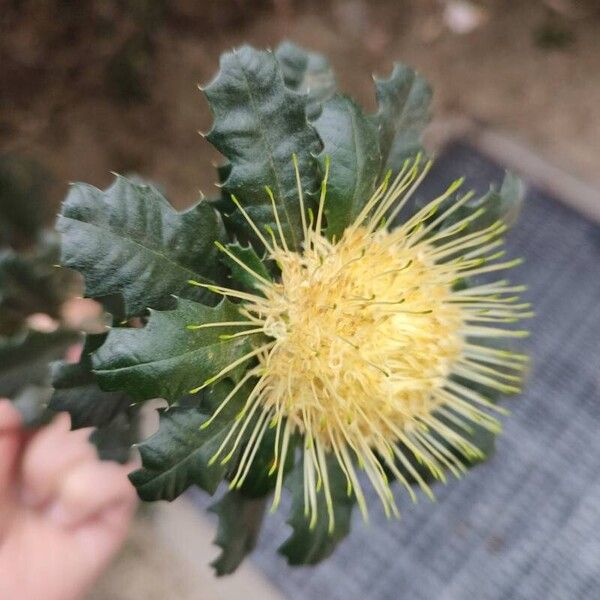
(92, 87)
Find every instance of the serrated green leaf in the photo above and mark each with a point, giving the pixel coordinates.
(259, 124)
(350, 142)
(240, 520)
(404, 100)
(242, 276)
(178, 455)
(166, 359)
(76, 391)
(128, 239)
(308, 73)
(309, 546)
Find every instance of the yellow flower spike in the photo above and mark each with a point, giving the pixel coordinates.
(372, 348)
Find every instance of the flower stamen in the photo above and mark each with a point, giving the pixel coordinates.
(373, 345)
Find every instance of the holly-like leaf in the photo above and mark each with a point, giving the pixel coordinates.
(242, 276)
(240, 519)
(350, 143)
(178, 455)
(166, 358)
(128, 239)
(259, 124)
(309, 546)
(76, 391)
(308, 73)
(404, 101)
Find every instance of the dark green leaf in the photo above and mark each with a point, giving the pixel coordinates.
(504, 205)
(32, 402)
(24, 358)
(260, 481)
(30, 283)
(308, 546)
(308, 73)
(350, 142)
(114, 440)
(404, 101)
(178, 455)
(166, 359)
(76, 391)
(259, 124)
(479, 436)
(507, 203)
(129, 240)
(223, 203)
(248, 256)
(240, 520)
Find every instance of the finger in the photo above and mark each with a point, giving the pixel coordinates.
(10, 444)
(93, 510)
(10, 419)
(89, 490)
(50, 455)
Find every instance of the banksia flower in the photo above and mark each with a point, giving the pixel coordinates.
(354, 341)
(369, 348)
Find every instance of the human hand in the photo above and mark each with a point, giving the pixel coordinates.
(63, 512)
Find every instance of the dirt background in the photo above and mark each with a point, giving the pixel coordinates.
(112, 85)
(87, 88)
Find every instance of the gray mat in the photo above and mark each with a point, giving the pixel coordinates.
(526, 525)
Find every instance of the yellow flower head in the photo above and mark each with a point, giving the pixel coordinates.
(370, 345)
